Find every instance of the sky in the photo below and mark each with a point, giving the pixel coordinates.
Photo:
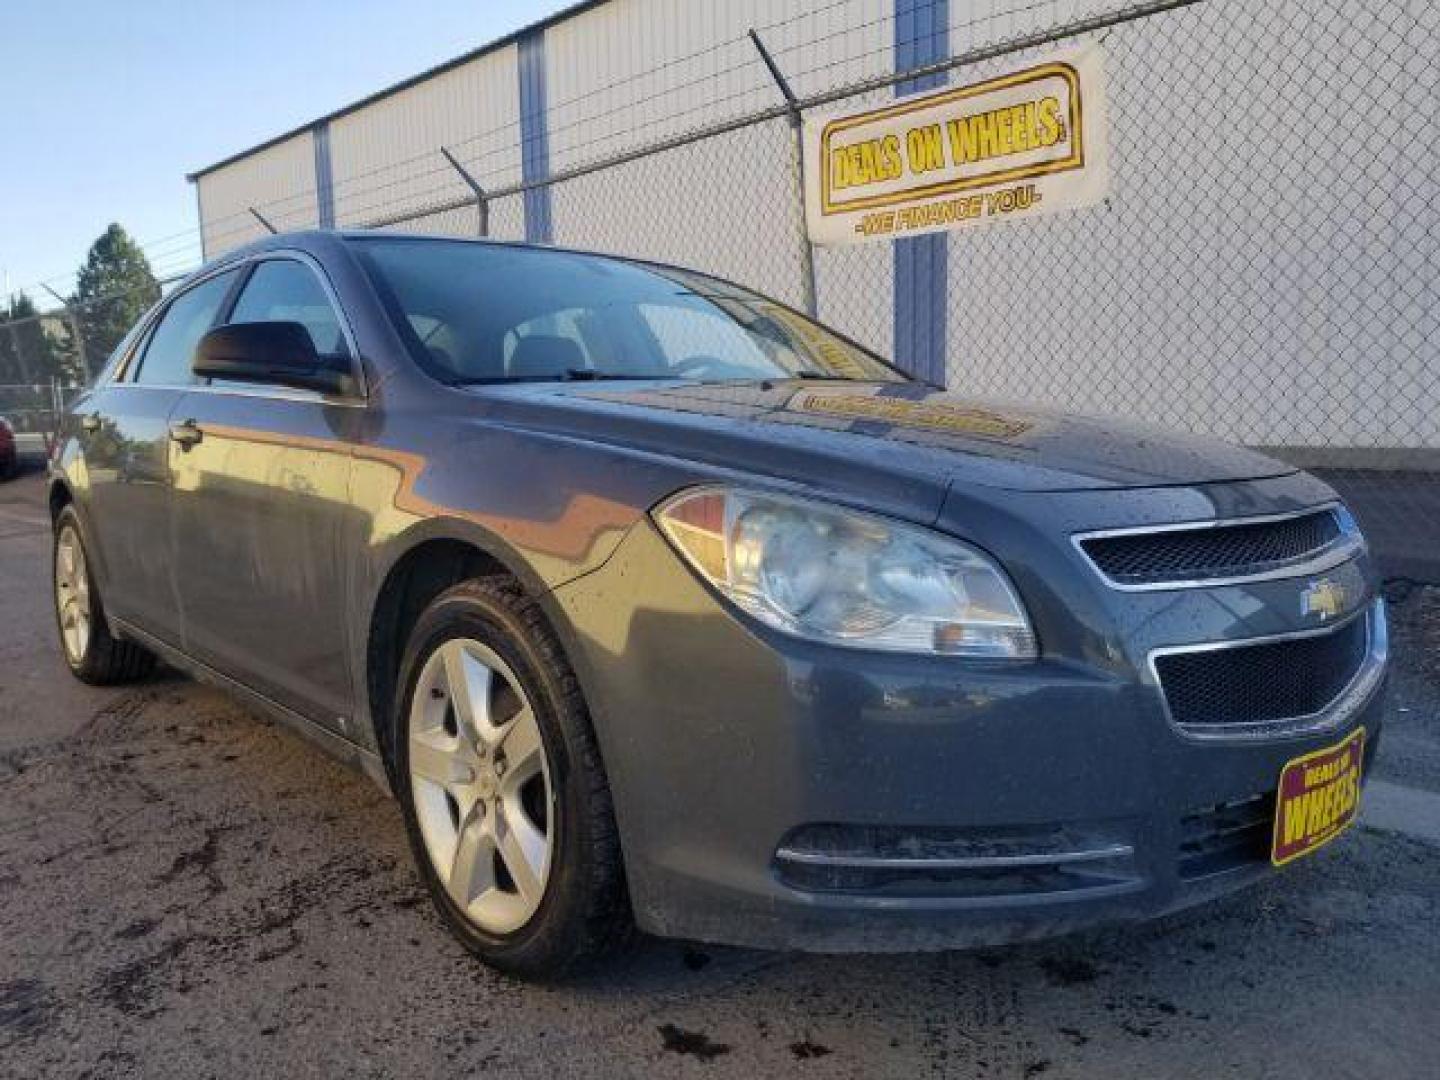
(108, 104)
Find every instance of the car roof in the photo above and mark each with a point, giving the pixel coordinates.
(318, 241)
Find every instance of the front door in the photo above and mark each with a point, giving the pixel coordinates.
(262, 519)
(128, 455)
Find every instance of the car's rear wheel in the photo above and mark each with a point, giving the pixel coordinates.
(505, 798)
(93, 654)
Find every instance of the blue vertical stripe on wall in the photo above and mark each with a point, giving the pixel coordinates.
(324, 182)
(922, 36)
(534, 138)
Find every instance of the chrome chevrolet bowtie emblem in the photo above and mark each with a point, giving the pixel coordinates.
(1325, 598)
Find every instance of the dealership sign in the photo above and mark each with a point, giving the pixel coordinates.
(1028, 141)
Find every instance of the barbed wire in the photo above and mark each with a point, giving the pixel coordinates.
(1000, 47)
(297, 202)
(423, 199)
(345, 188)
(763, 84)
(180, 252)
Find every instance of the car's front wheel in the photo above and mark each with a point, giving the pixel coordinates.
(94, 654)
(505, 799)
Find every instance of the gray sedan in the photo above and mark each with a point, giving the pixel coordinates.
(657, 604)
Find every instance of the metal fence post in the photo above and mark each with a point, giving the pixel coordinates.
(57, 409)
(482, 201)
(82, 349)
(792, 108)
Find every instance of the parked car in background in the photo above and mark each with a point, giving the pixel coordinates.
(656, 603)
(9, 452)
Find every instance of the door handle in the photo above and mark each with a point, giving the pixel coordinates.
(90, 422)
(186, 434)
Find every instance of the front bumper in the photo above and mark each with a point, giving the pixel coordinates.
(1044, 797)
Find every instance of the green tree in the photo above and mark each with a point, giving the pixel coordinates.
(27, 351)
(113, 289)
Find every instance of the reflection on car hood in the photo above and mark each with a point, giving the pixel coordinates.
(914, 428)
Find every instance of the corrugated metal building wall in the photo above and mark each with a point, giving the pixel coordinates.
(1231, 285)
(280, 178)
(384, 157)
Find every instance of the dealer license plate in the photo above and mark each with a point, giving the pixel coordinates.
(1318, 798)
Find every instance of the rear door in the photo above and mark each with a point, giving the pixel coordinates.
(125, 435)
(262, 517)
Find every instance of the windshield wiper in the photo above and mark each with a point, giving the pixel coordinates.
(568, 375)
(591, 375)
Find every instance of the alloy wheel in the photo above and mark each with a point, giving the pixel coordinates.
(72, 594)
(480, 780)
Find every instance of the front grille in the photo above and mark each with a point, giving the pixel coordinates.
(996, 863)
(1227, 835)
(1219, 551)
(1265, 684)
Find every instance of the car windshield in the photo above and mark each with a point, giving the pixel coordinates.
(477, 313)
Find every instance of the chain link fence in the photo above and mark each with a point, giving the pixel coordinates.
(1264, 269)
(42, 366)
(47, 359)
(30, 408)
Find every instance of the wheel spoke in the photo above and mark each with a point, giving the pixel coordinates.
(472, 869)
(522, 847)
(524, 752)
(430, 760)
(468, 681)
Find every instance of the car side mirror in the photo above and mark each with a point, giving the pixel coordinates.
(278, 353)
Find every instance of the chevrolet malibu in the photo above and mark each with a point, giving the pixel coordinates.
(657, 604)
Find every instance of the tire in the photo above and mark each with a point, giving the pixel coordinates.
(480, 666)
(92, 653)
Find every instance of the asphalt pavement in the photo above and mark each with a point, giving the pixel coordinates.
(189, 891)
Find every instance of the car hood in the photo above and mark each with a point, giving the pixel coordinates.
(906, 428)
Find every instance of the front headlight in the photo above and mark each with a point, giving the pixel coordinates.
(846, 578)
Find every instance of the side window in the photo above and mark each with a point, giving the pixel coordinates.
(283, 290)
(172, 343)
